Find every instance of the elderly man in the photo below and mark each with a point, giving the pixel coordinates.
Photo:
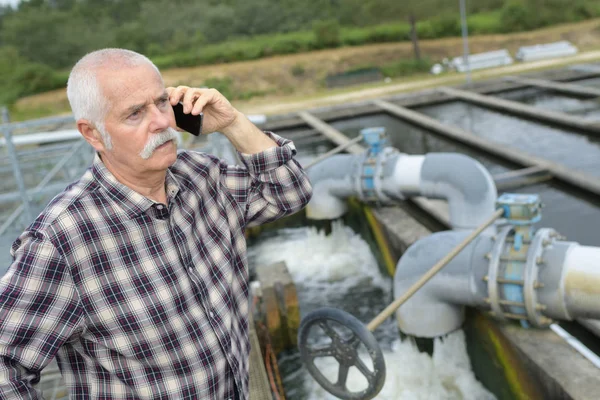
(135, 277)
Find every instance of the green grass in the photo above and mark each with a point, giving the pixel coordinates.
(485, 23)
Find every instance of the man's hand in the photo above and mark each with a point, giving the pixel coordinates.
(219, 114)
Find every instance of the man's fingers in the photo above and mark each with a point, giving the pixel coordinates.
(205, 98)
(194, 100)
(188, 99)
(176, 94)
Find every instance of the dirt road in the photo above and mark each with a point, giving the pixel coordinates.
(277, 106)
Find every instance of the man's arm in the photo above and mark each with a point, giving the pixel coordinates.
(39, 311)
(273, 184)
(246, 137)
(277, 184)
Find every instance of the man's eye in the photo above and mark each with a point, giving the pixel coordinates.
(163, 103)
(135, 114)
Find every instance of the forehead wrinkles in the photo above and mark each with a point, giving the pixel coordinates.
(130, 86)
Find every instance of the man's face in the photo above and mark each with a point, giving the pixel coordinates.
(138, 110)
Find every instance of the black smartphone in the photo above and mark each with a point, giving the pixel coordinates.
(188, 122)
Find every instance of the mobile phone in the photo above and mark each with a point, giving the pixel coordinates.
(188, 122)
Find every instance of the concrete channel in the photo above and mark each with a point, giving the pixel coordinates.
(558, 369)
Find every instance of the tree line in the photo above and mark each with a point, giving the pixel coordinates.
(41, 39)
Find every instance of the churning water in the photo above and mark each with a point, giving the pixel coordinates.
(339, 270)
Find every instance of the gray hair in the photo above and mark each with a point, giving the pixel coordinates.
(85, 95)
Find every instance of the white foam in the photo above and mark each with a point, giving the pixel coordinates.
(412, 375)
(313, 258)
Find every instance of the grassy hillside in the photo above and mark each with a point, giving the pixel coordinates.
(302, 75)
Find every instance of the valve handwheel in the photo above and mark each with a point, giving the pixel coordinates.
(344, 350)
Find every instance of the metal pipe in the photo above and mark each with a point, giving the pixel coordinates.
(333, 152)
(463, 181)
(332, 183)
(12, 153)
(579, 284)
(432, 272)
(31, 193)
(44, 137)
(558, 280)
(576, 344)
(438, 308)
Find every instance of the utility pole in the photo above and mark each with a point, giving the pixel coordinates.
(465, 36)
(413, 35)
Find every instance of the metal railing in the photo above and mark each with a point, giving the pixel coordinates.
(35, 167)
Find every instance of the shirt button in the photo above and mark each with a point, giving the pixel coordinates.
(212, 314)
(160, 207)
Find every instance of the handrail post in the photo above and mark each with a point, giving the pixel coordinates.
(14, 159)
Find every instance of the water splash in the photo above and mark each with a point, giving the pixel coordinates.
(339, 270)
(412, 375)
(313, 258)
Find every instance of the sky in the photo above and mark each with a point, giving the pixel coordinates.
(11, 2)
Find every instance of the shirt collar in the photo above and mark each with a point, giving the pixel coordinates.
(131, 201)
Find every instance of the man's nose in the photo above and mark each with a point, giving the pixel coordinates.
(160, 120)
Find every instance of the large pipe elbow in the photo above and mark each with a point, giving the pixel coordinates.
(438, 307)
(465, 183)
(333, 182)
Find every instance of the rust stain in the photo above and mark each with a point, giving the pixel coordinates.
(581, 282)
(517, 376)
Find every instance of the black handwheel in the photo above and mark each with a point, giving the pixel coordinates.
(344, 350)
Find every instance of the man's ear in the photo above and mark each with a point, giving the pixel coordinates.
(91, 134)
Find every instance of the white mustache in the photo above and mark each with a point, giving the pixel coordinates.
(157, 140)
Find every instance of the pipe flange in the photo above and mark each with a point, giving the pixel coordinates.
(534, 262)
(369, 180)
(492, 283)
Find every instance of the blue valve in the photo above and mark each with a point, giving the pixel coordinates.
(375, 138)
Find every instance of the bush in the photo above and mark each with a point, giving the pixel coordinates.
(389, 33)
(290, 43)
(19, 78)
(327, 33)
(355, 36)
(406, 67)
(516, 16)
(36, 78)
(298, 70)
(481, 24)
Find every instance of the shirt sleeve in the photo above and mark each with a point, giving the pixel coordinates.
(39, 311)
(272, 184)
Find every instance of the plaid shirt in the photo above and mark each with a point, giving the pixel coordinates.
(137, 299)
